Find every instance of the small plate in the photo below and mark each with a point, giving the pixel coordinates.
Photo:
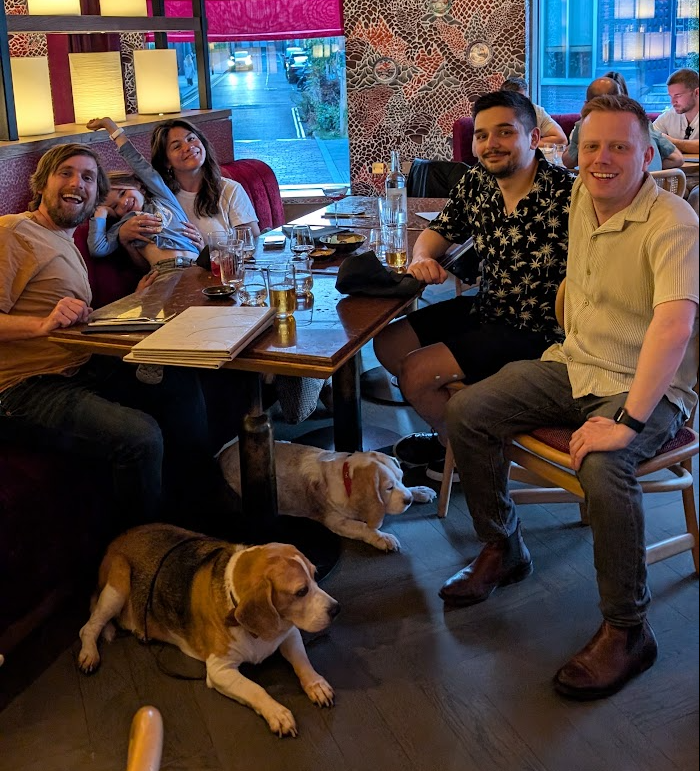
(324, 253)
(344, 243)
(219, 292)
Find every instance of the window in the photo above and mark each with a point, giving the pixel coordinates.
(644, 40)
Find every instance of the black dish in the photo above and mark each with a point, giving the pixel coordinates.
(219, 292)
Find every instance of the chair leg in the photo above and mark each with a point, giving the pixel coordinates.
(691, 516)
(446, 484)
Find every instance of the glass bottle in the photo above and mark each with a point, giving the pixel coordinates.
(396, 186)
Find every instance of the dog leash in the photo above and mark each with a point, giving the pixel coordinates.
(149, 602)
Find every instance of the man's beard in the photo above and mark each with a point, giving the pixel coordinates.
(503, 172)
(64, 219)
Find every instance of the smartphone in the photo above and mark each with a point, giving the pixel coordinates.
(274, 242)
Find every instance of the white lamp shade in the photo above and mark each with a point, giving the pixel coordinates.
(53, 7)
(97, 86)
(30, 82)
(123, 8)
(157, 88)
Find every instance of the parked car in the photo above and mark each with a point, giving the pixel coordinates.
(296, 67)
(290, 53)
(240, 61)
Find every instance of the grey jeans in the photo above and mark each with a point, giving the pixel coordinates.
(529, 394)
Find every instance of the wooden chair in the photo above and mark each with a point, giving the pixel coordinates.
(672, 180)
(145, 740)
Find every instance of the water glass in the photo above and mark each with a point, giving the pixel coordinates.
(390, 210)
(214, 241)
(558, 153)
(253, 290)
(376, 243)
(548, 151)
(283, 298)
(244, 233)
(231, 263)
(396, 244)
(301, 241)
(303, 277)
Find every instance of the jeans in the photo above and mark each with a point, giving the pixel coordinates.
(155, 437)
(529, 394)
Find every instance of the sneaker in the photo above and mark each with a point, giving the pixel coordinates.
(419, 449)
(435, 471)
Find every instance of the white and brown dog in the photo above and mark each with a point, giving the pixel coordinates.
(349, 493)
(221, 603)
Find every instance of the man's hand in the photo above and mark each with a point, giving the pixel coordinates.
(428, 270)
(598, 434)
(68, 311)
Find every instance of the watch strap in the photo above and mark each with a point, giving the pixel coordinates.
(622, 416)
(116, 133)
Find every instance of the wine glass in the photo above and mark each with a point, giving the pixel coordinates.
(302, 241)
(244, 233)
(335, 193)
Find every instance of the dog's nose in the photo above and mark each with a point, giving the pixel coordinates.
(334, 610)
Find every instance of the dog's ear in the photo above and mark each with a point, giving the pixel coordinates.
(366, 495)
(256, 612)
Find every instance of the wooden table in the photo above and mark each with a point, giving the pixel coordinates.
(324, 341)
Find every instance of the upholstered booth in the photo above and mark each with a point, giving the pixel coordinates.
(54, 509)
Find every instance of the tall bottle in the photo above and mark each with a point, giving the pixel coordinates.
(396, 187)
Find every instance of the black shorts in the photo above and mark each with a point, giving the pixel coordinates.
(480, 349)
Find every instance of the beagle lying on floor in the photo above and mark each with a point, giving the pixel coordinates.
(348, 493)
(221, 603)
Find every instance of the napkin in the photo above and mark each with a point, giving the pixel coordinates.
(363, 274)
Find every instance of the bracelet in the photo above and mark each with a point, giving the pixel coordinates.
(116, 133)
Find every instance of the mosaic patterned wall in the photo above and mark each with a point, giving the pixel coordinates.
(415, 66)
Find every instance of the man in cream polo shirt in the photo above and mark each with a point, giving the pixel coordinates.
(624, 375)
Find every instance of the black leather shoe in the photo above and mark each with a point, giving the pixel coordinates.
(499, 564)
(610, 660)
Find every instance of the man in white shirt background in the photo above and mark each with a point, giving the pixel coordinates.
(680, 121)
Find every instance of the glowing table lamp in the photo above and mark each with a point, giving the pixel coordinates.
(97, 86)
(30, 82)
(123, 8)
(53, 7)
(157, 89)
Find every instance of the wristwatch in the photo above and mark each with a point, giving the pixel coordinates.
(622, 416)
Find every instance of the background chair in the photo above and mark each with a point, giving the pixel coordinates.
(672, 180)
(433, 179)
(693, 199)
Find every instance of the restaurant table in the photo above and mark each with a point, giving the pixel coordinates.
(324, 340)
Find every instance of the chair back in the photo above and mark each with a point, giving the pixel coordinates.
(672, 180)
(693, 199)
(433, 179)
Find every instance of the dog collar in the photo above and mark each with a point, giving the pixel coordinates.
(347, 479)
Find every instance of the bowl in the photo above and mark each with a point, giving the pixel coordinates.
(218, 292)
(343, 243)
(322, 253)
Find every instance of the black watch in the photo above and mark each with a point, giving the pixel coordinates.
(622, 416)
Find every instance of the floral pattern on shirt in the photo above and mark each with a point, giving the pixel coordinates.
(522, 254)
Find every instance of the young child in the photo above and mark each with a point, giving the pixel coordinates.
(142, 192)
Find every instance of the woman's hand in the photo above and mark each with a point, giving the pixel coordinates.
(192, 232)
(147, 280)
(140, 227)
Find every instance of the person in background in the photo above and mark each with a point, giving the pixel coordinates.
(623, 376)
(550, 131)
(619, 78)
(154, 437)
(679, 123)
(188, 66)
(665, 156)
(515, 204)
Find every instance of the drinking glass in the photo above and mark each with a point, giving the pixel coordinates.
(558, 153)
(390, 210)
(231, 263)
(396, 240)
(303, 277)
(302, 242)
(376, 243)
(280, 280)
(253, 290)
(214, 241)
(548, 150)
(335, 193)
(245, 234)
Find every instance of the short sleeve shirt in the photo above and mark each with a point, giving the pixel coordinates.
(673, 124)
(522, 254)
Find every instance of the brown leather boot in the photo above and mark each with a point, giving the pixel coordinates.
(499, 564)
(613, 657)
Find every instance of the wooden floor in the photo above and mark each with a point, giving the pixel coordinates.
(416, 687)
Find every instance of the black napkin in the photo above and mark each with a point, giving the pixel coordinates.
(363, 274)
(204, 260)
(317, 233)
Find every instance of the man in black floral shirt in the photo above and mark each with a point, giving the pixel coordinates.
(515, 205)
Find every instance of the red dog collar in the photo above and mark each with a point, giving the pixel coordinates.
(347, 479)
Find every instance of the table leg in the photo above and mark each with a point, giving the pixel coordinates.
(347, 416)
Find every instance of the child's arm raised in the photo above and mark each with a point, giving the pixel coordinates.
(110, 127)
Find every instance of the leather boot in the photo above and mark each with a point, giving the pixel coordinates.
(499, 564)
(613, 657)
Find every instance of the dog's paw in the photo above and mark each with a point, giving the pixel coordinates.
(386, 542)
(320, 692)
(88, 659)
(280, 720)
(423, 494)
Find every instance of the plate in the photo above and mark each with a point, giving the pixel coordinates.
(324, 253)
(344, 243)
(219, 292)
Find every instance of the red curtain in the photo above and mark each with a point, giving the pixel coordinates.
(265, 19)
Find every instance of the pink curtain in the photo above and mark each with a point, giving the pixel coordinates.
(265, 19)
